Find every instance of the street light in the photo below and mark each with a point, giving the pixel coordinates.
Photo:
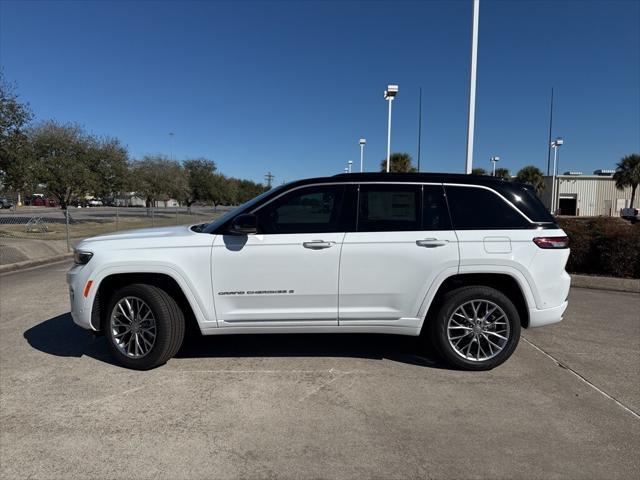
(389, 94)
(362, 143)
(555, 144)
(171, 134)
(349, 165)
(494, 160)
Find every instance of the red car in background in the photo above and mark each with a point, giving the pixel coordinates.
(38, 201)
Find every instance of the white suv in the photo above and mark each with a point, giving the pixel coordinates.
(464, 261)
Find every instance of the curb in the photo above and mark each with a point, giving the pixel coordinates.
(13, 267)
(606, 283)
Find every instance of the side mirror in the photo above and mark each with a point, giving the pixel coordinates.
(245, 224)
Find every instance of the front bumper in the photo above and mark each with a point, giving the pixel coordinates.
(77, 278)
(546, 316)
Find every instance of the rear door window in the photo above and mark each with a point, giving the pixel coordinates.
(476, 208)
(389, 208)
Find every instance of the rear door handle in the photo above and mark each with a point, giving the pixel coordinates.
(317, 244)
(431, 243)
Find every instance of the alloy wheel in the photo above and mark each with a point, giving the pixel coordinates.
(478, 330)
(133, 327)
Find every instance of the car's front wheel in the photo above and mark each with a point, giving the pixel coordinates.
(144, 326)
(476, 328)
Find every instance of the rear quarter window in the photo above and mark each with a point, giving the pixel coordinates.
(477, 208)
(528, 202)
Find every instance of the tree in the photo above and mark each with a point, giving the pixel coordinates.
(155, 177)
(110, 166)
(16, 167)
(225, 190)
(201, 180)
(628, 174)
(503, 173)
(398, 162)
(478, 171)
(533, 176)
(62, 160)
(246, 190)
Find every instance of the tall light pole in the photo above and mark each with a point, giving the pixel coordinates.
(171, 134)
(472, 86)
(349, 166)
(362, 142)
(494, 160)
(555, 144)
(389, 94)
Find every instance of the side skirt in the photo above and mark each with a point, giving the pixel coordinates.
(256, 329)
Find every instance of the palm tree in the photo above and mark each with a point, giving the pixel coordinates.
(478, 171)
(533, 176)
(503, 173)
(628, 174)
(399, 162)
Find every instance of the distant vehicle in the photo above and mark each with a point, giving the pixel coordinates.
(464, 261)
(78, 203)
(631, 214)
(5, 203)
(95, 202)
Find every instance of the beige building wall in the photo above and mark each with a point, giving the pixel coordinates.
(595, 195)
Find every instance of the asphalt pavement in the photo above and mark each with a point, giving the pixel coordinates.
(566, 405)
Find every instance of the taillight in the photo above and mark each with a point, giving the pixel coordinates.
(552, 242)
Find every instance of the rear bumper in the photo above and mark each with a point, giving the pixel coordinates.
(547, 316)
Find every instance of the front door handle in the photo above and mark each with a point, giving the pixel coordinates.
(317, 244)
(431, 243)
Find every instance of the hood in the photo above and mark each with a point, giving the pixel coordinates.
(148, 233)
(147, 238)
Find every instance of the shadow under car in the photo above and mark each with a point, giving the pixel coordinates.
(60, 337)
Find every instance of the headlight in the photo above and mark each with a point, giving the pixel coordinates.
(81, 258)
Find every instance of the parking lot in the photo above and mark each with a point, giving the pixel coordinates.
(316, 406)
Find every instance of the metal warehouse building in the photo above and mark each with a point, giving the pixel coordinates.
(588, 195)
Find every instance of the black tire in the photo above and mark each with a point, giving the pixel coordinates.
(170, 326)
(436, 328)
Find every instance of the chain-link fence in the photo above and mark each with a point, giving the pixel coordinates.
(34, 232)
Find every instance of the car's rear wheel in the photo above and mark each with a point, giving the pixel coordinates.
(476, 328)
(144, 326)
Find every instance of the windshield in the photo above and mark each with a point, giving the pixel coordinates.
(213, 226)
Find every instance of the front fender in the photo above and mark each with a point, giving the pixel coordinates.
(196, 294)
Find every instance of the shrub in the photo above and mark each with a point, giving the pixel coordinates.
(603, 246)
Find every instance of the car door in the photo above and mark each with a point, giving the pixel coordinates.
(287, 273)
(402, 244)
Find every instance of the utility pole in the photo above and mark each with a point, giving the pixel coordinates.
(550, 128)
(269, 178)
(419, 127)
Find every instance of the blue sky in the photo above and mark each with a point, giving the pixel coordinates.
(290, 86)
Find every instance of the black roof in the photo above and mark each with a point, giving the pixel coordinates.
(420, 177)
(494, 182)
